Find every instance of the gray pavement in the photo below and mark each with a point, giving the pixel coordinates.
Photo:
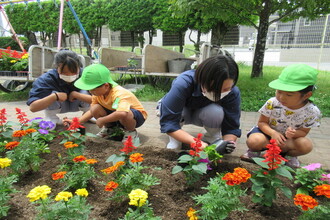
(150, 134)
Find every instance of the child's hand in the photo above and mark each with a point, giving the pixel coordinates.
(100, 122)
(280, 139)
(290, 132)
(66, 122)
(62, 96)
(73, 96)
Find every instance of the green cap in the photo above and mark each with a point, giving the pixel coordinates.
(93, 76)
(294, 78)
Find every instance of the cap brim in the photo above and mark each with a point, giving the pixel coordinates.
(277, 84)
(80, 84)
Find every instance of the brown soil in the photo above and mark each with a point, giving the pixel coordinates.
(170, 200)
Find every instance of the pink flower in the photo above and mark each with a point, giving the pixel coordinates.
(326, 177)
(312, 166)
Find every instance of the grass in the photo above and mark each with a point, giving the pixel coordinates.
(255, 92)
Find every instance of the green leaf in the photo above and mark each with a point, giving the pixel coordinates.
(176, 169)
(200, 168)
(258, 161)
(185, 158)
(114, 158)
(287, 192)
(284, 172)
(302, 190)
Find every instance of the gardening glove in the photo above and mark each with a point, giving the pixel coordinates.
(224, 147)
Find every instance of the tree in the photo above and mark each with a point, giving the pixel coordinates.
(131, 15)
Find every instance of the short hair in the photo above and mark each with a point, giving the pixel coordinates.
(67, 58)
(213, 71)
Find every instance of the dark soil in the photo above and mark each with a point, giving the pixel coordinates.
(170, 200)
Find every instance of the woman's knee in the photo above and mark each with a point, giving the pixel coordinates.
(212, 116)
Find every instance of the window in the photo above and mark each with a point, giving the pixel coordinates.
(307, 22)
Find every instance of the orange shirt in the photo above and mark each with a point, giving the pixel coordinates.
(127, 100)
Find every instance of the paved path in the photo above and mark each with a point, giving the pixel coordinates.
(150, 133)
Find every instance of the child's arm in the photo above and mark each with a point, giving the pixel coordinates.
(80, 96)
(263, 125)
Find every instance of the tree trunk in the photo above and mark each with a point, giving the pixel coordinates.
(181, 37)
(219, 33)
(133, 40)
(32, 38)
(259, 53)
(151, 34)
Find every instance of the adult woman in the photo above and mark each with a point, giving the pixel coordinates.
(204, 97)
(54, 91)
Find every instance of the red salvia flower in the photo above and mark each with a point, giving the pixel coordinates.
(11, 145)
(75, 125)
(322, 190)
(128, 146)
(79, 159)
(3, 118)
(306, 202)
(21, 116)
(111, 186)
(135, 158)
(197, 146)
(59, 175)
(273, 156)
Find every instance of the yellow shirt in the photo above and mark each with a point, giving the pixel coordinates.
(127, 100)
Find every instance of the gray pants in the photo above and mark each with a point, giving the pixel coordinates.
(68, 106)
(210, 116)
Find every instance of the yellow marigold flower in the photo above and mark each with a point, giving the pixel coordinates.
(63, 196)
(322, 190)
(306, 202)
(13, 61)
(5, 162)
(39, 192)
(191, 214)
(138, 197)
(135, 158)
(82, 192)
(25, 56)
(19, 133)
(91, 161)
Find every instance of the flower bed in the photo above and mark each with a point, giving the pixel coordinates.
(170, 199)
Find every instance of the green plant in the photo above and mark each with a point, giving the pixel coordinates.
(139, 198)
(220, 199)
(6, 187)
(308, 177)
(127, 172)
(266, 183)
(67, 206)
(195, 164)
(319, 212)
(11, 60)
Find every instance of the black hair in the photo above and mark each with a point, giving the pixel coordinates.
(307, 89)
(213, 71)
(67, 58)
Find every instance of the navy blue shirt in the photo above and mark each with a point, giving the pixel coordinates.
(48, 83)
(185, 92)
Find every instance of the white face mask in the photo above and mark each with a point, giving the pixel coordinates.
(68, 79)
(210, 95)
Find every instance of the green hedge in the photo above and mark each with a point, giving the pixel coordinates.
(10, 42)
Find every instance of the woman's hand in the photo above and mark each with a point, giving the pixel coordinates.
(62, 96)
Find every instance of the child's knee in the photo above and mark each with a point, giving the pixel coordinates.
(256, 142)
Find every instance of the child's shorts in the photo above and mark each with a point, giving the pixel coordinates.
(256, 129)
(137, 116)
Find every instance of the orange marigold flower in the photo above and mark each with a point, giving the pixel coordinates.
(110, 169)
(91, 161)
(19, 133)
(135, 158)
(111, 186)
(120, 163)
(322, 190)
(240, 175)
(191, 214)
(59, 175)
(70, 144)
(79, 158)
(11, 145)
(306, 202)
(30, 130)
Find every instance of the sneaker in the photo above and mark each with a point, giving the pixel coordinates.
(173, 144)
(249, 155)
(293, 162)
(104, 133)
(92, 120)
(134, 135)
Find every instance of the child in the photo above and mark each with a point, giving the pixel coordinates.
(112, 103)
(287, 117)
(55, 93)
